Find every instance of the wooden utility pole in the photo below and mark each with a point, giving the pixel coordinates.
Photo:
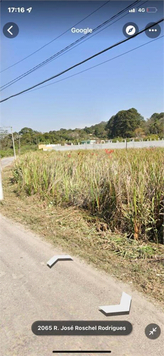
(13, 142)
(19, 145)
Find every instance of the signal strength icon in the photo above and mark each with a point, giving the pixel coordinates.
(132, 10)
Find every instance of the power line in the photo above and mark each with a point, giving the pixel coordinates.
(66, 48)
(82, 62)
(106, 26)
(97, 65)
(56, 38)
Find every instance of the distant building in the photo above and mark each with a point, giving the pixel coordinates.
(48, 147)
(90, 142)
(41, 146)
(100, 141)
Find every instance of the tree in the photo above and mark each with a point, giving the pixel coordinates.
(155, 125)
(139, 133)
(100, 130)
(124, 123)
(26, 130)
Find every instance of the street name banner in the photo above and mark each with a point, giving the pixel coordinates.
(65, 327)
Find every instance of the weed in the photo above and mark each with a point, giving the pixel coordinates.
(126, 191)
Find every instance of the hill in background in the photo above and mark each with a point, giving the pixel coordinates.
(125, 124)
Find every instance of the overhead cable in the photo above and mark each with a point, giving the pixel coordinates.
(84, 61)
(72, 45)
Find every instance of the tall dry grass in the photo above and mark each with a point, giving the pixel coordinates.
(123, 187)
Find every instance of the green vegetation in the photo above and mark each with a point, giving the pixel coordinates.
(124, 188)
(80, 233)
(6, 153)
(125, 124)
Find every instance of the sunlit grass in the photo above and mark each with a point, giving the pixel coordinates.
(123, 187)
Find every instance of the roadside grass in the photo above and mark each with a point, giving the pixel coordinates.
(78, 232)
(24, 149)
(6, 153)
(125, 188)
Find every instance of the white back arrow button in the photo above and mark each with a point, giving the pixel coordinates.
(8, 30)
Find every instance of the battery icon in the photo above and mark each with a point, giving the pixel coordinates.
(151, 10)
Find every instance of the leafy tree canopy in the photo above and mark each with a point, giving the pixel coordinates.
(124, 123)
(26, 130)
(155, 125)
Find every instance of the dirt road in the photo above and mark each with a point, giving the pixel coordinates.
(70, 290)
(6, 161)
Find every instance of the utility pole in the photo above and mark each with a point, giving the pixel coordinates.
(19, 145)
(126, 144)
(13, 142)
(7, 127)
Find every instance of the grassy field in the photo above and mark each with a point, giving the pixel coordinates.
(124, 188)
(6, 153)
(87, 235)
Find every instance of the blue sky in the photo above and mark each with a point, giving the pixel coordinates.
(133, 80)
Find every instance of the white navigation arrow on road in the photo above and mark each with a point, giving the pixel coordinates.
(10, 31)
(56, 258)
(122, 308)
